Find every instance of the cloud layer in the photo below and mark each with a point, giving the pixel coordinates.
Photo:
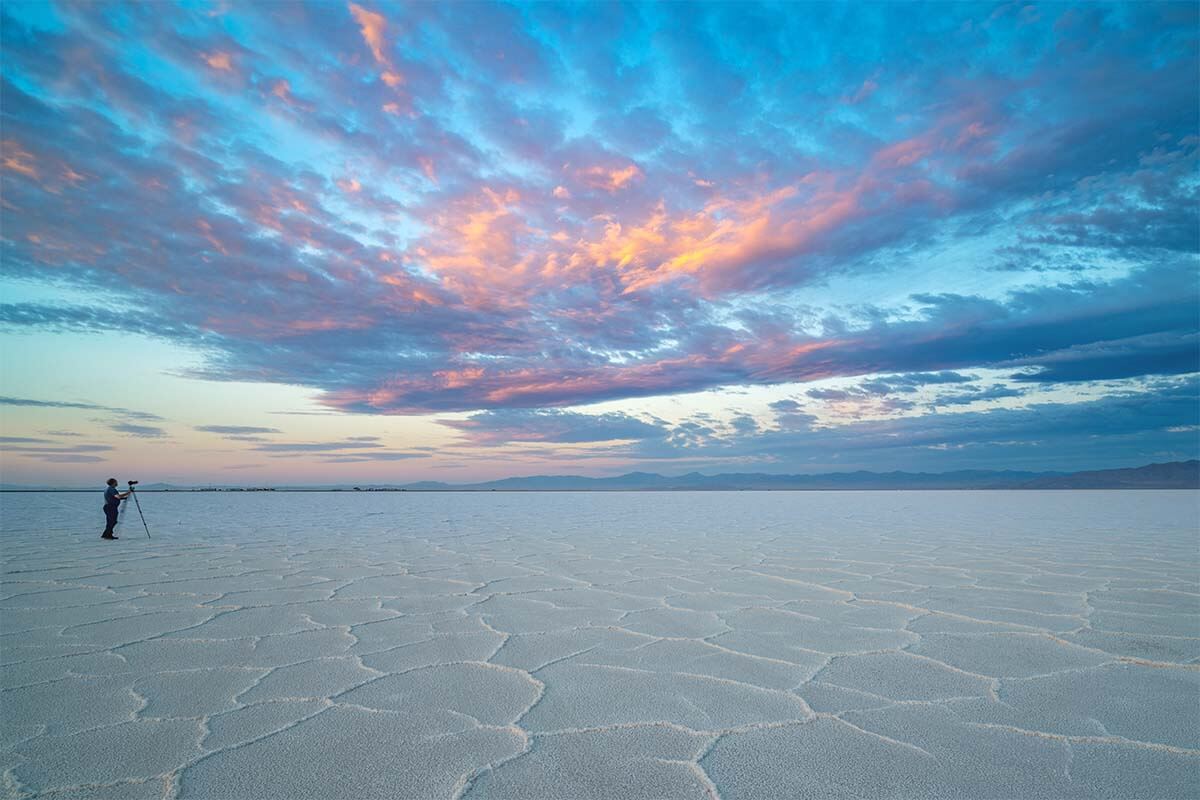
(514, 208)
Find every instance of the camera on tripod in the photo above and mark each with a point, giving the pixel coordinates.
(131, 483)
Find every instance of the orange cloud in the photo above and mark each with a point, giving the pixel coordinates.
(481, 248)
(489, 251)
(16, 159)
(71, 176)
(618, 178)
(485, 250)
(219, 60)
(372, 26)
(716, 243)
(611, 180)
(282, 89)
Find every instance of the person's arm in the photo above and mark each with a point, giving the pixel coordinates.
(122, 496)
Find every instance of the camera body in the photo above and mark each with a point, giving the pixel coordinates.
(131, 483)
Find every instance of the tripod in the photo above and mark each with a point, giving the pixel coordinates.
(139, 508)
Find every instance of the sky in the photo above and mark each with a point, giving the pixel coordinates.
(289, 243)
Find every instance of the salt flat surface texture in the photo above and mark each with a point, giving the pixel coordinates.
(733, 645)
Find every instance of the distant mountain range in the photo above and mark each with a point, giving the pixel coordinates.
(1172, 475)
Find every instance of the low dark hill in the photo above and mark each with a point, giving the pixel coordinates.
(1172, 475)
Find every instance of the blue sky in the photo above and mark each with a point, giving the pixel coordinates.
(322, 242)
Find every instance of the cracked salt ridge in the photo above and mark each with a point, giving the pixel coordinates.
(1017, 630)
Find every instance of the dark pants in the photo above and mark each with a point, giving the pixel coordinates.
(110, 516)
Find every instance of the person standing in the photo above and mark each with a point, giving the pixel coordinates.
(112, 503)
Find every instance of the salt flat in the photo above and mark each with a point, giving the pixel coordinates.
(733, 645)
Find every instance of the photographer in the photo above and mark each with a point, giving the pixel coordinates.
(112, 503)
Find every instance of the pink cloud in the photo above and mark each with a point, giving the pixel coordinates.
(905, 152)
(477, 248)
(427, 167)
(714, 244)
(282, 90)
(15, 158)
(863, 92)
(610, 179)
(372, 26)
(489, 245)
(219, 61)
(554, 386)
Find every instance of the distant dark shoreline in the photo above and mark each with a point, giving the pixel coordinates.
(1173, 475)
(633, 491)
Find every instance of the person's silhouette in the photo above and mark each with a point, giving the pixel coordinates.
(112, 503)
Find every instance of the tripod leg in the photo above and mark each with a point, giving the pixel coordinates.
(140, 514)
